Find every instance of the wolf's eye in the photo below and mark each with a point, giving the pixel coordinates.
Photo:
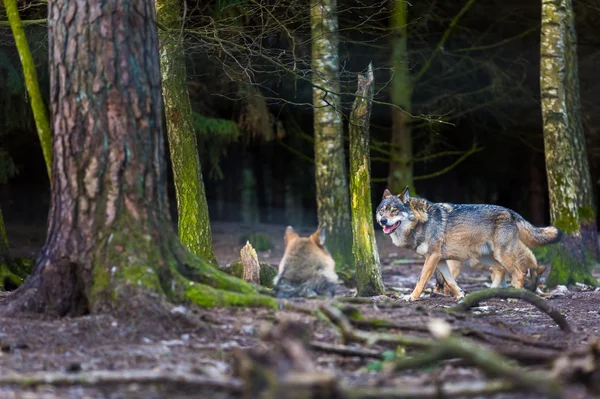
(394, 211)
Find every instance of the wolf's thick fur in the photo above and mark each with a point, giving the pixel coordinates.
(306, 269)
(461, 232)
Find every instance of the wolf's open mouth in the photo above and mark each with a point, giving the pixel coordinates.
(390, 229)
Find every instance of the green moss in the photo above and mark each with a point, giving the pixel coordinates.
(260, 242)
(566, 223)
(586, 214)
(24, 266)
(205, 296)
(566, 268)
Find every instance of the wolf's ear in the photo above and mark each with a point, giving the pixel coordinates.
(290, 234)
(404, 196)
(387, 194)
(541, 269)
(318, 237)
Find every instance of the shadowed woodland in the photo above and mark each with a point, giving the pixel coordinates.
(153, 153)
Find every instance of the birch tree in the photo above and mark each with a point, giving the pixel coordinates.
(565, 169)
(109, 235)
(333, 204)
(192, 208)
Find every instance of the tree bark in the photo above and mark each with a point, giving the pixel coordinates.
(192, 208)
(401, 152)
(366, 255)
(333, 204)
(563, 171)
(109, 231)
(585, 198)
(40, 113)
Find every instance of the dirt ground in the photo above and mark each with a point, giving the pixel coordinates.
(205, 343)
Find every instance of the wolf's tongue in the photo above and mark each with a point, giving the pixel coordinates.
(387, 229)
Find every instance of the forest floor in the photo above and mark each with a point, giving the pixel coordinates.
(194, 352)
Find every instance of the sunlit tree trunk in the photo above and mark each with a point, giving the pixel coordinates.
(192, 208)
(364, 247)
(38, 107)
(333, 205)
(109, 236)
(563, 170)
(401, 152)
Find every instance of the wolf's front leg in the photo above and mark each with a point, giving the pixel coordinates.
(449, 274)
(428, 268)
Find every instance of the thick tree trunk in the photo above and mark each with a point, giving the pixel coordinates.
(40, 114)
(401, 151)
(364, 247)
(562, 168)
(192, 208)
(333, 204)
(110, 233)
(585, 199)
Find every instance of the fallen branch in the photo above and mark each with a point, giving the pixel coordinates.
(464, 389)
(100, 377)
(475, 298)
(345, 350)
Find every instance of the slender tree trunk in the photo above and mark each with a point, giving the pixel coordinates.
(192, 208)
(563, 170)
(401, 151)
(110, 237)
(364, 247)
(585, 198)
(40, 113)
(333, 204)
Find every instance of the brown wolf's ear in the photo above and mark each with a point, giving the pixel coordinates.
(290, 235)
(404, 196)
(387, 194)
(541, 269)
(318, 237)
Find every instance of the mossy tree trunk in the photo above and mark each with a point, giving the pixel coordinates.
(7, 264)
(366, 255)
(563, 170)
(400, 172)
(38, 107)
(109, 233)
(333, 203)
(583, 179)
(192, 208)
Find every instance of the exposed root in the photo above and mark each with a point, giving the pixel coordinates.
(463, 390)
(479, 296)
(102, 377)
(344, 350)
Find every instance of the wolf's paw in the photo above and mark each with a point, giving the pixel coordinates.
(410, 298)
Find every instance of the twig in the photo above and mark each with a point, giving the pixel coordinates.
(119, 377)
(479, 296)
(345, 350)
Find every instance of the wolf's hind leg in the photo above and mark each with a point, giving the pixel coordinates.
(450, 271)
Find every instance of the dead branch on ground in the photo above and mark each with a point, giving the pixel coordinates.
(475, 298)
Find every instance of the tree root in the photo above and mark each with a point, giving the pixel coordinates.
(101, 377)
(7, 276)
(206, 296)
(479, 296)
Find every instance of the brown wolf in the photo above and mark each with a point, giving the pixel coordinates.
(306, 269)
(462, 232)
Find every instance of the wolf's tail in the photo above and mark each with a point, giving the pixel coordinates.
(536, 236)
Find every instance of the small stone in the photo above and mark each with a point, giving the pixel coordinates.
(73, 367)
(179, 310)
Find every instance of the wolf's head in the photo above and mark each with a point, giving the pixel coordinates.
(532, 277)
(394, 211)
(307, 267)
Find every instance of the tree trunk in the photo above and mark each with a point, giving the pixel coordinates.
(364, 247)
(192, 208)
(585, 199)
(401, 154)
(7, 264)
(109, 231)
(333, 203)
(562, 168)
(38, 107)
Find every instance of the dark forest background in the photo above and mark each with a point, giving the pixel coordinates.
(254, 118)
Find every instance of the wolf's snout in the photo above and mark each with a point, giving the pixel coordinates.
(383, 221)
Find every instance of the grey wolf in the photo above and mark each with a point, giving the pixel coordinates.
(307, 268)
(458, 233)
